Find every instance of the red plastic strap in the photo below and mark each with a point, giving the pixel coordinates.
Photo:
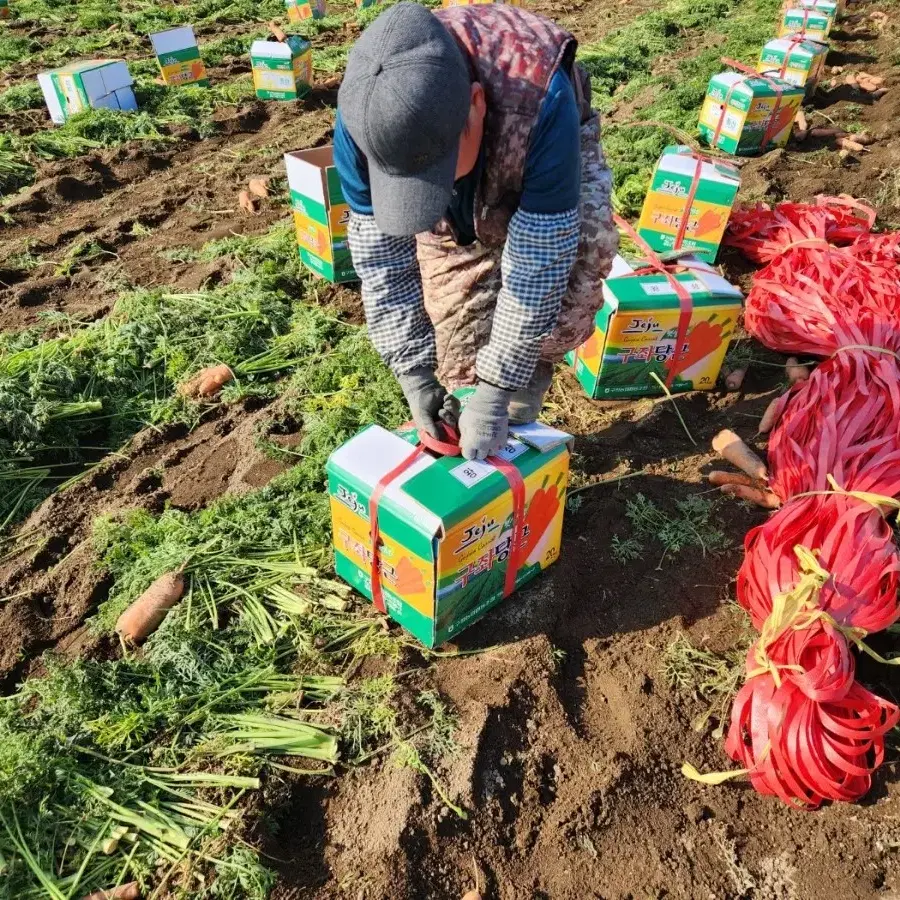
(751, 73)
(795, 40)
(685, 300)
(449, 447)
(689, 202)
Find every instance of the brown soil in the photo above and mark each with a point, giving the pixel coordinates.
(571, 739)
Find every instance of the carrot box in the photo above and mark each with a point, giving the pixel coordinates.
(812, 18)
(94, 84)
(320, 214)
(4, 9)
(637, 329)
(796, 59)
(745, 114)
(454, 537)
(298, 10)
(282, 70)
(689, 202)
(179, 57)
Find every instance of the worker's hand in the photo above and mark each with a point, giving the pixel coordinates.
(484, 423)
(428, 401)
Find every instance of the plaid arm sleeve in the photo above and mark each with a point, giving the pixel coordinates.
(537, 262)
(392, 296)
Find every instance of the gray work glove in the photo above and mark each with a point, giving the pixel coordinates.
(484, 422)
(428, 402)
(525, 404)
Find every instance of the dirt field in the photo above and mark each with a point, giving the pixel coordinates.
(571, 732)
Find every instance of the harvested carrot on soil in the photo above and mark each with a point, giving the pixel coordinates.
(259, 187)
(769, 417)
(735, 378)
(795, 371)
(827, 132)
(277, 32)
(731, 448)
(851, 145)
(718, 478)
(145, 615)
(752, 494)
(130, 891)
(246, 202)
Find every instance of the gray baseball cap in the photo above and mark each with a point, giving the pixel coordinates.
(405, 100)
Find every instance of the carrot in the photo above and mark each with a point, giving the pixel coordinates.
(145, 615)
(471, 895)
(213, 379)
(247, 203)
(851, 145)
(719, 478)
(850, 79)
(770, 417)
(827, 132)
(751, 494)
(259, 187)
(129, 891)
(864, 139)
(877, 95)
(730, 447)
(735, 378)
(794, 371)
(278, 34)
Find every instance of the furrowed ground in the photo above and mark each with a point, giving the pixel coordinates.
(275, 738)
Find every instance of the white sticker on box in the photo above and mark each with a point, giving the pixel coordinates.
(664, 289)
(472, 472)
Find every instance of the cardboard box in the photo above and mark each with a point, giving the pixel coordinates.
(5, 12)
(637, 326)
(298, 10)
(446, 525)
(812, 18)
(178, 56)
(751, 114)
(714, 184)
(320, 213)
(94, 84)
(795, 59)
(282, 70)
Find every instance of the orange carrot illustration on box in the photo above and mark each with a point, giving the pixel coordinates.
(704, 338)
(541, 512)
(409, 578)
(708, 223)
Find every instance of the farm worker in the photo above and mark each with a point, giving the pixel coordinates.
(480, 219)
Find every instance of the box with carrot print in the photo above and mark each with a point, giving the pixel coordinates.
(4, 9)
(746, 114)
(298, 10)
(689, 202)
(446, 525)
(812, 18)
(796, 59)
(631, 352)
(179, 57)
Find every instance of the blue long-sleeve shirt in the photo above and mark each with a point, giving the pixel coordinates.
(537, 260)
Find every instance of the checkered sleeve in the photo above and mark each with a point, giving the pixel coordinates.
(392, 296)
(537, 261)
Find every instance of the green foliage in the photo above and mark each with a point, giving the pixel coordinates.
(27, 95)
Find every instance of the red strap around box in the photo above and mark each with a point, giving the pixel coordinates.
(449, 447)
(685, 300)
(749, 73)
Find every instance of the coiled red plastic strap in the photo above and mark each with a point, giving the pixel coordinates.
(685, 300)
(450, 447)
(749, 73)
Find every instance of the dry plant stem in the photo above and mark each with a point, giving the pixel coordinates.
(669, 397)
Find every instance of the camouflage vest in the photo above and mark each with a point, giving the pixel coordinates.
(513, 54)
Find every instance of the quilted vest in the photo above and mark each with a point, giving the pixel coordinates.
(513, 54)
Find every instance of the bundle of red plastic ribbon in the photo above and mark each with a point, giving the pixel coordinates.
(822, 572)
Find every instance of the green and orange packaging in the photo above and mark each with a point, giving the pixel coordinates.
(812, 18)
(796, 59)
(637, 326)
(179, 57)
(4, 9)
(685, 179)
(299, 10)
(320, 213)
(282, 70)
(445, 524)
(746, 113)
